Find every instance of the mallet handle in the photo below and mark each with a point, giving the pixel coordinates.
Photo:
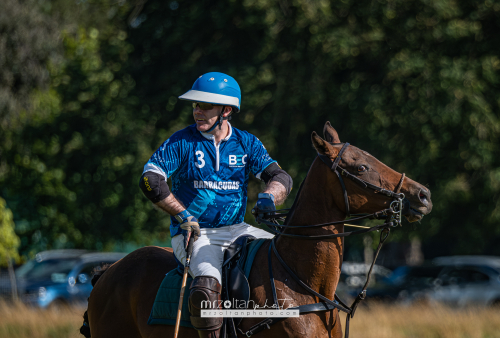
(189, 252)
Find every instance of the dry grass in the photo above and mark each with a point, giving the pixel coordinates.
(424, 321)
(19, 321)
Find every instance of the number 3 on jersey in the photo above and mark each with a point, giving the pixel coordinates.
(199, 156)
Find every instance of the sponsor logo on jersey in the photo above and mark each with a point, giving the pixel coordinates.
(217, 185)
(237, 160)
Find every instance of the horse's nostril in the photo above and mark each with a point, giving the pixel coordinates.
(423, 197)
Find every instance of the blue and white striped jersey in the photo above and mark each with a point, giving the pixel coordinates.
(211, 181)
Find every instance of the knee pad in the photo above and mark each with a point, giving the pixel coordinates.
(205, 294)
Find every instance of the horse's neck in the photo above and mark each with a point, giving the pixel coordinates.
(316, 262)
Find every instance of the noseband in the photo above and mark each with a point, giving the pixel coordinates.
(392, 216)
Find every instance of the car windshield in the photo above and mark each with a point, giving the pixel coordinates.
(422, 275)
(55, 269)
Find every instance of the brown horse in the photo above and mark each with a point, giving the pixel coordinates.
(121, 301)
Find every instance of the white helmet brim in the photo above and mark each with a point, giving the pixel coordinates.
(198, 96)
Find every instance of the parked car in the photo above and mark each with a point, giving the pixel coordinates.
(456, 280)
(353, 277)
(467, 280)
(60, 277)
(405, 284)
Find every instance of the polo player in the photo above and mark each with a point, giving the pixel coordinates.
(209, 163)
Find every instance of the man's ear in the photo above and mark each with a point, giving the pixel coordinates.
(227, 111)
(330, 133)
(323, 147)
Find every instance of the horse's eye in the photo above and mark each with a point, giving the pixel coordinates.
(362, 168)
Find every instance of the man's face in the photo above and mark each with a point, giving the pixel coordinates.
(205, 118)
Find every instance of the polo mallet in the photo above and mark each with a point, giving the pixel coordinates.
(189, 252)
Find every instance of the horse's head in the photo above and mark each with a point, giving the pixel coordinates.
(366, 167)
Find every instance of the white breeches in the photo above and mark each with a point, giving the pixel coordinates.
(208, 250)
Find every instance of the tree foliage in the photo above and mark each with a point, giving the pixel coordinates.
(76, 157)
(28, 40)
(9, 242)
(414, 83)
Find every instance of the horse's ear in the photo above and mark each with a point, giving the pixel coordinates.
(330, 133)
(323, 147)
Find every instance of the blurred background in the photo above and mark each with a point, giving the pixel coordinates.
(88, 91)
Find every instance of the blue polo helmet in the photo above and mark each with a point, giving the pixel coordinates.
(216, 88)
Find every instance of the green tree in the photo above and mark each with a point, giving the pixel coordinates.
(414, 83)
(9, 242)
(28, 39)
(76, 160)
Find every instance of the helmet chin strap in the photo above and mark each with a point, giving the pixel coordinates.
(219, 120)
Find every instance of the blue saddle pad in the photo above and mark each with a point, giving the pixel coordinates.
(252, 249)
(167, 299)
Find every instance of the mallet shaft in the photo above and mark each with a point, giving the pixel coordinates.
(189, 252)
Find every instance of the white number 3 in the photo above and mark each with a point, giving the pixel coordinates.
(199, 154)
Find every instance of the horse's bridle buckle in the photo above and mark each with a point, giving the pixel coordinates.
(396, 207)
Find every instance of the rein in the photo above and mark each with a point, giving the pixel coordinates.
(392, 216)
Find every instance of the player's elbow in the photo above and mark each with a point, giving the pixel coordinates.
(274, 173)
(154, 186)
(285, 179)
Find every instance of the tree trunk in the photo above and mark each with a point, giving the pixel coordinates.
(13, 282)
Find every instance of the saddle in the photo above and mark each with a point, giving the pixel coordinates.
(236, 268)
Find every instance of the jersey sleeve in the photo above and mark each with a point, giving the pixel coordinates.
(259, 158)
(168, 157)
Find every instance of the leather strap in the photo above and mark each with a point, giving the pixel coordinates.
(400, 184)
(343, 234)
(271, 276)
(346, 197)
(303, 309)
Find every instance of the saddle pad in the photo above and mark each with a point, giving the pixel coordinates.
(167, 301)
(252, 249)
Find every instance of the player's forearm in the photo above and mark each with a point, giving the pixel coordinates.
(171, 205)
(278, 190)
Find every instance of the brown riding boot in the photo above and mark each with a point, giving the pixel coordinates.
(205, 295)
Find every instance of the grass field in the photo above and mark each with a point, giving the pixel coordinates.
(18, 321)
(425, 321)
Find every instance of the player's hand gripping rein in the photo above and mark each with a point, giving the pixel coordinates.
(188, 223)
(264, 206)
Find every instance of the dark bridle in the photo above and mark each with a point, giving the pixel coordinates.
(392, 216)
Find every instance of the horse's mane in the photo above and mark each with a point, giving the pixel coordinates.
(98, 272)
